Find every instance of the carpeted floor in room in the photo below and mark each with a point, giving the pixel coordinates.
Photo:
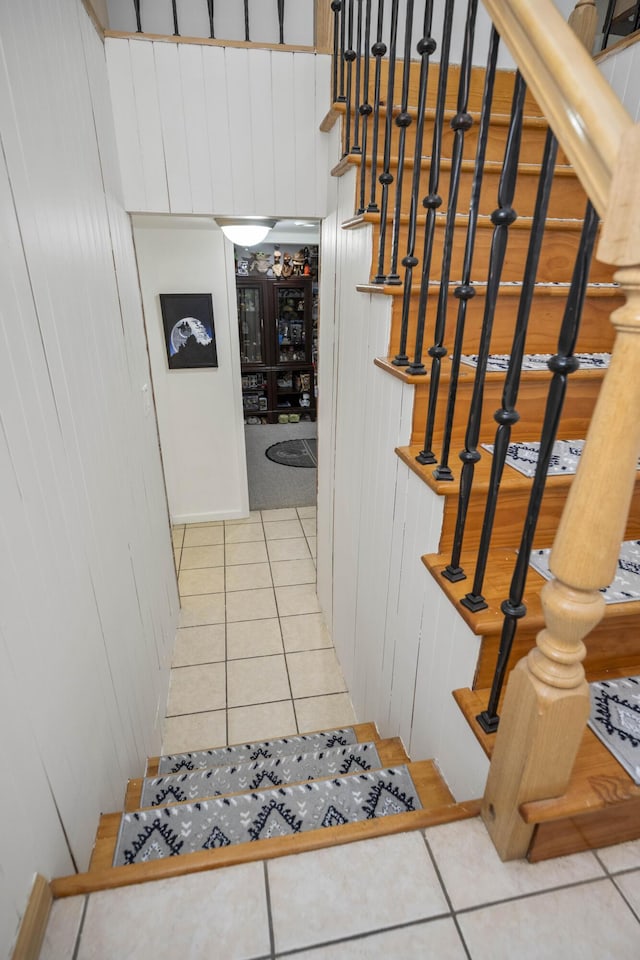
(272, 485)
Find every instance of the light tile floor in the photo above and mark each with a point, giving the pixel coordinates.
(253, 659)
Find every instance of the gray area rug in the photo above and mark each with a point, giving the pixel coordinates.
(186, 828)
(258, 774)
(615, 719)
(243, 752)
(272, 485)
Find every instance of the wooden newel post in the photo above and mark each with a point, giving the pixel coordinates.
(323, 32)
(547, 704)
(583, 21)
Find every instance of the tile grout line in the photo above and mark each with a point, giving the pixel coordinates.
(445, 892)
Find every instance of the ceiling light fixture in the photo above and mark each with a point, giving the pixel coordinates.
(245, 231)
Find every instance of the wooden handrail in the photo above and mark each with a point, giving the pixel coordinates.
(587, 117)
(583, 21)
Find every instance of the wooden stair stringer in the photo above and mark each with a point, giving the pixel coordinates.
(438, 808)
(600, 807)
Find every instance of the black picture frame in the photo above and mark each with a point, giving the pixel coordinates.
(189, 332)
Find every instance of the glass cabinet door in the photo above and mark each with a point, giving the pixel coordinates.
(250, 314)
(290, 324)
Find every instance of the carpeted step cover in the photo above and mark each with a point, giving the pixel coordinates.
(257, 774)
(244, 752)
(186, 828)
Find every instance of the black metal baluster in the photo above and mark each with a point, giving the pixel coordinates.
(365, 106)
(606, 28)
(378, 50)
(636, 19)
(336, 6)
(355, 146)
(425, 47)
(349, 56)
(502, 218)
(433, 199)
(466, 291)
(246, 20)
(136, 5)
(343, 35)
(562, 364)
(459, 124)
(174, 8)
(507, 415)
(386, 177)
(403, 122)
(281, 20)
(210, 9)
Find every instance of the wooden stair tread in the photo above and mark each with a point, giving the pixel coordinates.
(484, 221)
(391, 752)
(544, 289)
(365, 733)
(529, 120)
(467, 373)
(496, 589)
(598, 781)
(466, 165)
(438, 807)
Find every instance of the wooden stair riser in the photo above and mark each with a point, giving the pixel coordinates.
(567, 198)
(596, 331)
(391, 753)
(581, 396)
(559, 250)
(531, 151)
(599, 663)
(502, 96)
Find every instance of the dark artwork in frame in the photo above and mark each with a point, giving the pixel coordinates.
(189, 333)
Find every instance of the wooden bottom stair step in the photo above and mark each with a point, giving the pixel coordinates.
(600, 807)
(395, 797)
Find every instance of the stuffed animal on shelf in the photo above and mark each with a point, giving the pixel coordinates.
(277, 263)
(261, 262)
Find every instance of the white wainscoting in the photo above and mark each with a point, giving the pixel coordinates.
(401, 644)
(88, 599)
(219, 130)
(622, 70)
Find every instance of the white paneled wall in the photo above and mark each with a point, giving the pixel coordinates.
(88, 600)
(215, 130)
(200, 415)
(622, 70)
(402, 646)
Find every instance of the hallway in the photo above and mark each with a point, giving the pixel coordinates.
(253, 658)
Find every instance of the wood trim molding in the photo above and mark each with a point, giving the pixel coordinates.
(34, 921)
(95, 19)
(583, 111)
(208, 42)
(618, 47)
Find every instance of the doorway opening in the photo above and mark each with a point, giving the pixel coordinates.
(278, 318)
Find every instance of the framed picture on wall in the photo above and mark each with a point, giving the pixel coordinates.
(189, 332)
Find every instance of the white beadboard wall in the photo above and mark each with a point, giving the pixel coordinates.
(88, 599)
(622, 70)
(200, 415)
(402, 646)
(219, 130)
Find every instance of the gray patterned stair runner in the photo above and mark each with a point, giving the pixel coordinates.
(258, 774)
(243, 752)
(186, 828)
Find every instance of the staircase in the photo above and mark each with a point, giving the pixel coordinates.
(601, 803)
(235, 804)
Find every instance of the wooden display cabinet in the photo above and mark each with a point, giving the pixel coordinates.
(277, 338)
